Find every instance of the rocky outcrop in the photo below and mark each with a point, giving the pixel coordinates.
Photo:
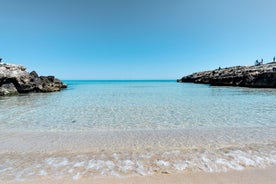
(14, 79)
(263, 75)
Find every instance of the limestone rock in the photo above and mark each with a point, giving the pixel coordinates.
(14, 79)
(8, 89)
(263, 76)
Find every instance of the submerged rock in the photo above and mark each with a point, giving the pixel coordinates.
(14, 79)
(263, 76)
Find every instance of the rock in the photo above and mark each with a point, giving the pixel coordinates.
(34, 74)
(8, 89)
(263, 76)
(14, 79)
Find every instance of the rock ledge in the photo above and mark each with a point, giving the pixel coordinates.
(14, 79)
(262, 76)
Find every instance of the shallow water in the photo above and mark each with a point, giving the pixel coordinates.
(125, 128)
(129, 105)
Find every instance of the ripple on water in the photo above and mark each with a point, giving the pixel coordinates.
(166, 128)
(139, 105)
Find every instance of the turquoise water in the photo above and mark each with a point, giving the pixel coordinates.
(126, 128)
(133, 105)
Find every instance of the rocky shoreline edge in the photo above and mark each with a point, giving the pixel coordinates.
(14, 80)
(257, 76)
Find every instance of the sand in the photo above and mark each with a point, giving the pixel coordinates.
(248, 176)
(56, 143)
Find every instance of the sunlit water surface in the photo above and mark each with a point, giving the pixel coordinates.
(123, 128)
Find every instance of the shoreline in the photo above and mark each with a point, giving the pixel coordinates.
(38, 156)
(247, 176)
(131, 140)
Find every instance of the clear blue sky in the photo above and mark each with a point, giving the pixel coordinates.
(135, 39)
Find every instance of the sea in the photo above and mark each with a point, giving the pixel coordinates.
(122, 128)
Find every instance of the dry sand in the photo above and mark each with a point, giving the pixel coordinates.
(248, 176)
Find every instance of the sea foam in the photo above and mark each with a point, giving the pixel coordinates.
(116, 165)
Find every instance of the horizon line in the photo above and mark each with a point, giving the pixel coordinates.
(121, 79)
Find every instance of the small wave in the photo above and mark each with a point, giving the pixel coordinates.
(24, 167)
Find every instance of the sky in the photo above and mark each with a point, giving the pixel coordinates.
(135, 39)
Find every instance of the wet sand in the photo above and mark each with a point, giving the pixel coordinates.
(91, 157)
(248, 176)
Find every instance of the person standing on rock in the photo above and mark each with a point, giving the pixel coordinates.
(0, 60)
(274, 59)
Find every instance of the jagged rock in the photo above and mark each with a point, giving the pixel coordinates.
(14, 79)
(34, 74)
(246, 76)
(8, 89)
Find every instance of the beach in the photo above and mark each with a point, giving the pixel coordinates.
(138, 157)
(137, 92)
(249, 176)
(139, 132)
